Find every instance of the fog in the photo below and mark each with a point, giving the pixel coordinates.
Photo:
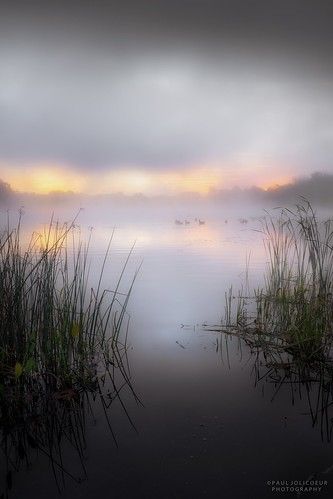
(218, 98)
(316, 188)
(111, 85)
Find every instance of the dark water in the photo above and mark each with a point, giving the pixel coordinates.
(208, 427)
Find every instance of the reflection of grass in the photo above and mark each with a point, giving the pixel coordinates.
(40, 417)
(310, 383)
(293, 311)
(59, 340)
(277, 372)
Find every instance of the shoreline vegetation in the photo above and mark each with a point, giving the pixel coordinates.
(62, 345)
(287, 322)
(291, 314)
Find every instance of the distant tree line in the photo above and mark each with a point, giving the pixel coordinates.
(318, 189)
(6, 192)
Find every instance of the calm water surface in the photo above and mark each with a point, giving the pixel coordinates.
(206, 428)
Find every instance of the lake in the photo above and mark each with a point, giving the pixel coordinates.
(213, 421)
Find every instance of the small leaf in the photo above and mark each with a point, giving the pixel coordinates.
(18, 369)
(75, 330)
(30, 365)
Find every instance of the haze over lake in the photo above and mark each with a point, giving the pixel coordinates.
(204, 410)
(157, 339)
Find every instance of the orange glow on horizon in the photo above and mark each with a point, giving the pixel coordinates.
(202, 180)
(199, 180)
(276, 182)
(43, 179)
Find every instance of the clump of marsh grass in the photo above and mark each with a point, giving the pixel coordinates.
(61, 342)
(296, 302)
(293, 310)
(51, 322)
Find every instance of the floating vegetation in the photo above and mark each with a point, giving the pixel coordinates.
(62, 343)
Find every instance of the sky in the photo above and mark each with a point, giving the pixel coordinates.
(164, 96)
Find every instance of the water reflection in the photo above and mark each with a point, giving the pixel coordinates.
(43, 420)
(310, 386)
(278, 375)
(205, 430)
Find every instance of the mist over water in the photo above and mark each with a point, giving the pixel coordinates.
(204, 413)
(168, 127)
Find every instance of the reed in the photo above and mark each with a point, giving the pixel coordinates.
(293, 310)
(62, 344)
(52, 324)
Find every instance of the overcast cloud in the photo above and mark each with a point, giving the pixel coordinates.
(167, 84)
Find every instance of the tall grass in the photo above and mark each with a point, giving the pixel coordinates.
(293, 310)
(62, 343)
(51, 322)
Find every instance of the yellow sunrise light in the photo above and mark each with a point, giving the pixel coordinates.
(47, 180)
(199, 180)
(127, 181)
(42, 179)
(275, 183)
